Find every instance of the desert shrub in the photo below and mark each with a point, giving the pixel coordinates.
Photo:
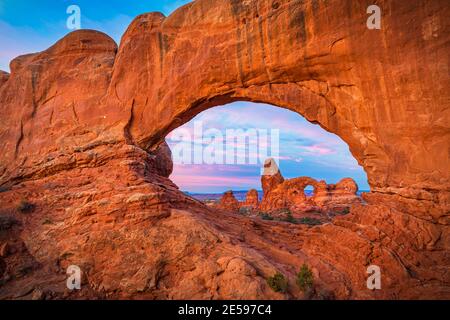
(245, 211)
(25, 206)
(310, 221)
(266, 216)
(289, 218)
(278, 282)
(284, 211)
(305, 278)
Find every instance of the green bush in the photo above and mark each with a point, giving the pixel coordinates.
(283, 211)
(266, 216)
(305, 278)
(278, 282)
(245, 211)
(289, 218)
(310, 221)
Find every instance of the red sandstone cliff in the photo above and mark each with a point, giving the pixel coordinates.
(82, 180)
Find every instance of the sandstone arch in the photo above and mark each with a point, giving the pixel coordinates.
(287, 56)
(85, 109)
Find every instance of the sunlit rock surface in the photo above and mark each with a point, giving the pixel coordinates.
(83, 179)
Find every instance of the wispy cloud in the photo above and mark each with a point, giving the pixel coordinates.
(317, 149)
(305, 149)
(194, 180)
(215, 178)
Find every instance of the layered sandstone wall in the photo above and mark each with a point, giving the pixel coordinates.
(86, 115)
(364, 85)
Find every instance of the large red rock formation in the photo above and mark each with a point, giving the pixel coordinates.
(3, 77)
(251, 199)
(163, 160)
(342, 194)
(290, 194)
(271, 177)
(228, 202)
(81, 123)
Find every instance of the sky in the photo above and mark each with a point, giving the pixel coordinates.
(305, 149)
(31, 26)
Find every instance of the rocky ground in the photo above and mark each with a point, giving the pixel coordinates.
(135, 235)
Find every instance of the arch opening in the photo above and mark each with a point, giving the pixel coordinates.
(309, 191)
(308, 158)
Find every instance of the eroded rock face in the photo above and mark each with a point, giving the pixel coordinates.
(3, 77)
(251, 199)
(271, 177)
(290, 194)
(289, 56)
(228, 202)
(81, 124)
(163, 160)
(52, 116)
(343, 194)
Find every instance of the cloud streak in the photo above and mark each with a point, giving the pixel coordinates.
(305, 149)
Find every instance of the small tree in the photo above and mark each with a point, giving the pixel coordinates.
(245, 211)
(266, 216)
(310, 221)
(278, 282)
(305, 278)
(289, 217)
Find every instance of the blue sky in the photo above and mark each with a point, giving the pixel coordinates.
(32, 26)
(306, 149)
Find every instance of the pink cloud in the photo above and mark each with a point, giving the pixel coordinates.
(204, 176)
(318, 150)
(184, 181)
